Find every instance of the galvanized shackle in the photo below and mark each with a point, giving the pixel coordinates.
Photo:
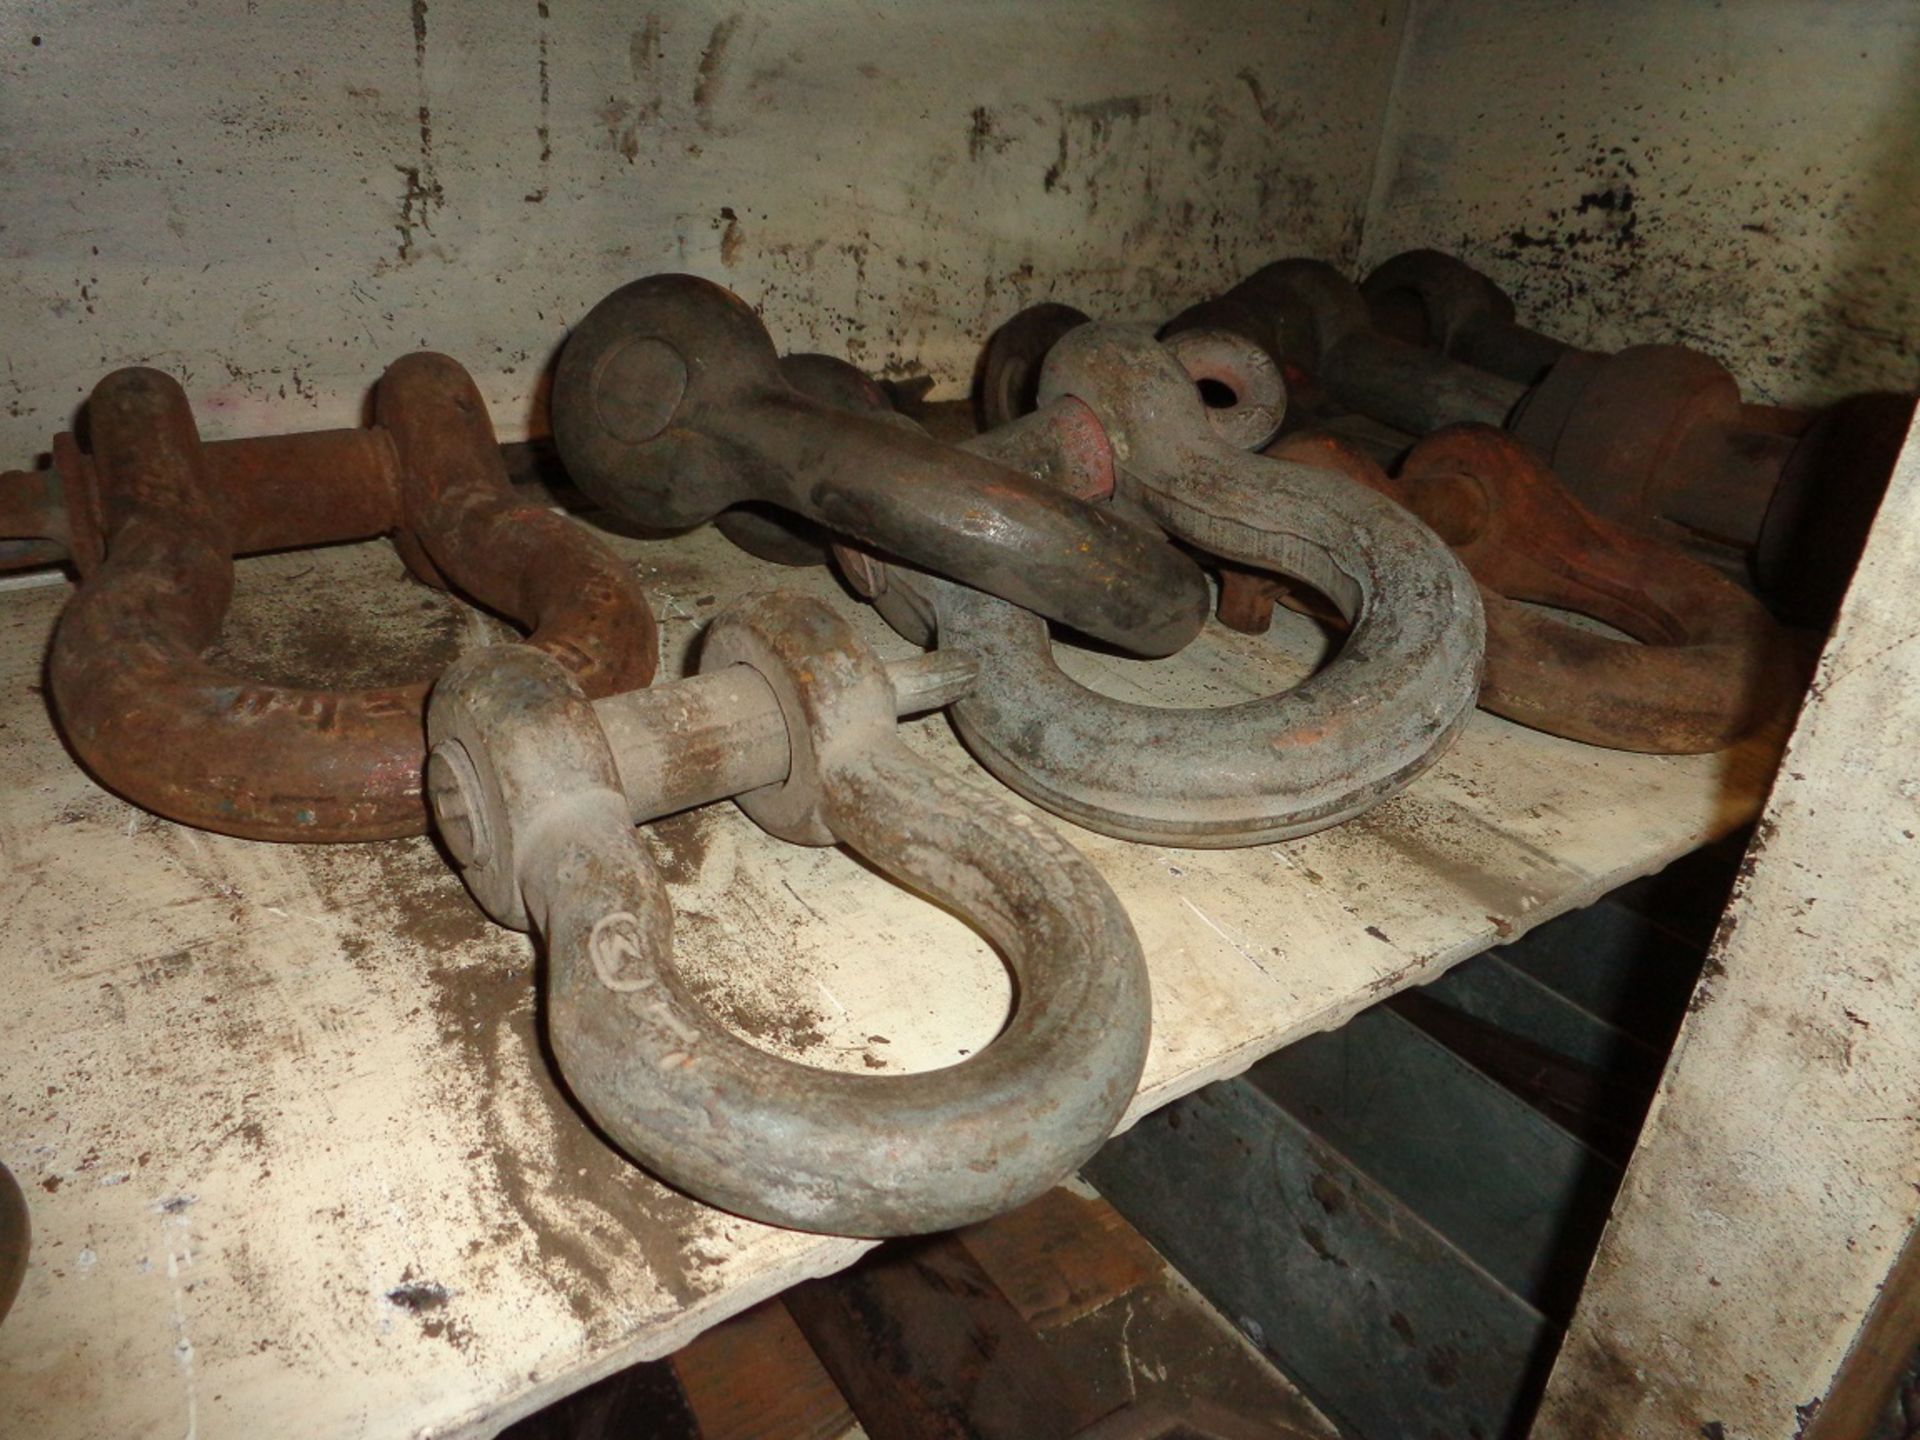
(1360, 729)
(537, 791)
(669, 406)
(152, 518)
(1240, 384)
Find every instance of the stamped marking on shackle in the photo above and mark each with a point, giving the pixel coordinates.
(618, 957)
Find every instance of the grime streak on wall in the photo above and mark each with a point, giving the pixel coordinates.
(238, 190)
(1741, 178)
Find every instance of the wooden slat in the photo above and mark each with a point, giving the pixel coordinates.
(1062, 1256)
(754, 1377)
(925, 1347)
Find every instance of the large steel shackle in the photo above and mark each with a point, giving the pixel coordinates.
(1349, 736)
(152, 517)
(537, 791)
(669, 406)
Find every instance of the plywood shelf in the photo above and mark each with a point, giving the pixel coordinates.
(295, 1149)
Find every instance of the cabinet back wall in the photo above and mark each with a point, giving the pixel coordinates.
(274, 198)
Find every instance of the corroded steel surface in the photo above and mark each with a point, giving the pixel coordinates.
(1349, 736)
(669, 406)
(1431, 298)
(1307, 314)
(1704, 663)
(1653, 437)
(784, 537)
(154, 520)
(536, 791)
(1007, 376)
(1247, 596)
(1313, 324)
(1657, 437)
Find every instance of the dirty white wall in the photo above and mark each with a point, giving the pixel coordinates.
(1742, 176)
(274, 198)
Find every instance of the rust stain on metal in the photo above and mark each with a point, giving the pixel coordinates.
(1658, 438)
(1709, 666)
(1701, 665)
(152, 518)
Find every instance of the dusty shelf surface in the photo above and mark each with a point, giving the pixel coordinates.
(293, 1144)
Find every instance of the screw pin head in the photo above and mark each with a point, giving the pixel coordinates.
(459, 808)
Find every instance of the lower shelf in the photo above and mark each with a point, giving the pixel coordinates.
(1057, 1320)
(1401, 1212)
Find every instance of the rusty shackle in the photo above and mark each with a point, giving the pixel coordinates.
(152, 517)
(670, 406)
(1704, 665)
(1657, 437)
(1653, 436)
(1309, 318)
(537, 791)
(1431, 298)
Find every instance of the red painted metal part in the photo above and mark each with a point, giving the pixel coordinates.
(1655, 437)
(1705, 663)
(153, 518)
